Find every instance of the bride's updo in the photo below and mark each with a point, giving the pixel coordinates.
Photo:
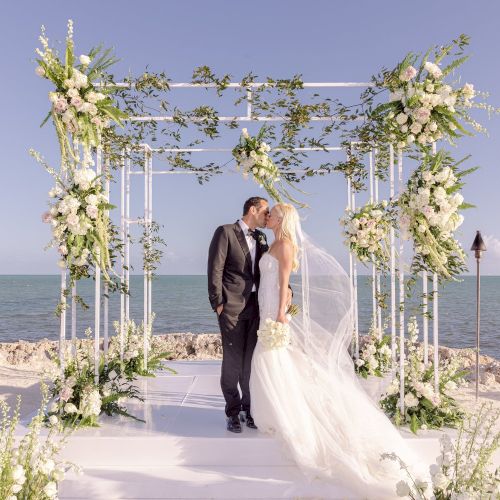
(289, 219)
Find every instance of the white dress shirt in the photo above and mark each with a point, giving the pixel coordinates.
(252, 246)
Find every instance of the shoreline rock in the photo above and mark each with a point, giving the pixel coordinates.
(36, 355)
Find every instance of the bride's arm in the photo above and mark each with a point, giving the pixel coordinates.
(284, 253)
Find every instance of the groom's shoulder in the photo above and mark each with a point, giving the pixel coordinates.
(225, 228)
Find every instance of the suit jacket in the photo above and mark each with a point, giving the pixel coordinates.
(230, 274)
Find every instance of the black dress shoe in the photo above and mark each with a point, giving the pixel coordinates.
(250, 422)
(233, 424)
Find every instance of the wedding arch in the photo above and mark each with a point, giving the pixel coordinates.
(380, 145)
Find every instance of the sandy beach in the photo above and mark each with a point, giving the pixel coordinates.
(22, 363)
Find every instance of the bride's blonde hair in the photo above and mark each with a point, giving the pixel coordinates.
(287, 231)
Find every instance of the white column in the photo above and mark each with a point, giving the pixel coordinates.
(425, 319)
(355, 282)
(150, 198)
(351, 274)
(106, 286)
(146, 237)
(97, 295)
(435, 330)
(374, 269)
(377, 284)
(127, 235)
(401, 295)
(122, 256)
(392, 260)
(73, 320)
(62, 330)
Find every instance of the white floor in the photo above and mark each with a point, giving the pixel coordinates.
(184, 451)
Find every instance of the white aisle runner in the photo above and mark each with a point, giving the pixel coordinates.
(184, 451)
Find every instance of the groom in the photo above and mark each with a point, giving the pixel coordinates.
(233, 280)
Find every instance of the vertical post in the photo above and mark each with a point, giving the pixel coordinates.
(435, 331)
(145, 254)
(62, 331)
(377, 285)
(73, 320)
(106, 286)
(249, 104)
(97, 294)
(127, 235)
(374, 269)
(150, 198)
(401, 296)
(122, 256)
(478, 317)
(425, 319)
(355, 284)
(351, 273)
(392, 259)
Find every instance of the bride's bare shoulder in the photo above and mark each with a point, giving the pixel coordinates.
(282, 248)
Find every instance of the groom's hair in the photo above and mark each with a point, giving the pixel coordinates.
(254, 201)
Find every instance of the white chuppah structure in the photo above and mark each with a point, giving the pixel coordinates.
(397, 300)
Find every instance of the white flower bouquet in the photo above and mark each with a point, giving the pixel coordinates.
(29, 468)
(424, 407)
(423, 108)
(274, 335)
(77, 105)
(366, 232)
(429, 214)
(78, 400)
(252, 156)
(133, 351)
(464, 467)
(375, 358)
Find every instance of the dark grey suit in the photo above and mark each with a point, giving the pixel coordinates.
(230, 282)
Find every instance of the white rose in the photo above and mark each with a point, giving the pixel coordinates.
(410, 139)
(404, 129)
(84, 60)
(50, 489)
(411, 400)
(468, 91)
(40, 71)
(53, 420)
(401, 118)
(16, 488)
(244, 133)
(47, 467)
(18, 473)
(70, 408)
(415, 128)
(402, 489)
(73, 93)
(440, 481)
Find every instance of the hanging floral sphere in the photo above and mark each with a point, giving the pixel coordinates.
(366, 232)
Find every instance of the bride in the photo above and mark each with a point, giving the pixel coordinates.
(307, 393)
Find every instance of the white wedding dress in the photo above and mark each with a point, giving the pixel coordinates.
(307, 394)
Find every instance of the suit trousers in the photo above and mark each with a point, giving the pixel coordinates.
(239, 337)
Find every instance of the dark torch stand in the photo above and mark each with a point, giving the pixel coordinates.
(477, 247)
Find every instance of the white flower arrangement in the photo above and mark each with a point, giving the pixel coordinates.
(375, 358)
(29, 467)
(366, 232)
(133, 351)
(252, 157)
(424, 407)
(423, 108)
(274, 335)
(463, 469)
(429, 214)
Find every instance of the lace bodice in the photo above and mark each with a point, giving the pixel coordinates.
(269, 287)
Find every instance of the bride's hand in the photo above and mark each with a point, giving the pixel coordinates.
(282, 318)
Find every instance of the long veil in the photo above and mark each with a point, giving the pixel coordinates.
(349, 432)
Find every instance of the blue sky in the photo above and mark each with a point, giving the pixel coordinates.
(322, 40)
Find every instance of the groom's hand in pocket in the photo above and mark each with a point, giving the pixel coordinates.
(220, 308)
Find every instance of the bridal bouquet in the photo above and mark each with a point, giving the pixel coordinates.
(78, 400)
(464, 467)
(274, 335)
(430, 214)
(424, 407)
(29, 467)
(366, 232)
(252, 156)
(423, 108)
(375, 357)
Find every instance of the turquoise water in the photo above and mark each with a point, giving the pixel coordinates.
(27, 306)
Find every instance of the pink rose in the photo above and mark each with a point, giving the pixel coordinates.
(61, 105)
(46, 217)
(92, 211)
(422, 115)
(66, 393)
(77, 102)
(407, 74)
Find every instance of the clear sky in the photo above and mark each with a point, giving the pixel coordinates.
(322, 40)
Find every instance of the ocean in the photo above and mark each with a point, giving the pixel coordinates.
(27, 306)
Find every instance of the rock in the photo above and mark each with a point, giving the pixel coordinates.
(488, 379)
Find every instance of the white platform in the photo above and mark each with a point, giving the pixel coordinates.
(184, 451)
